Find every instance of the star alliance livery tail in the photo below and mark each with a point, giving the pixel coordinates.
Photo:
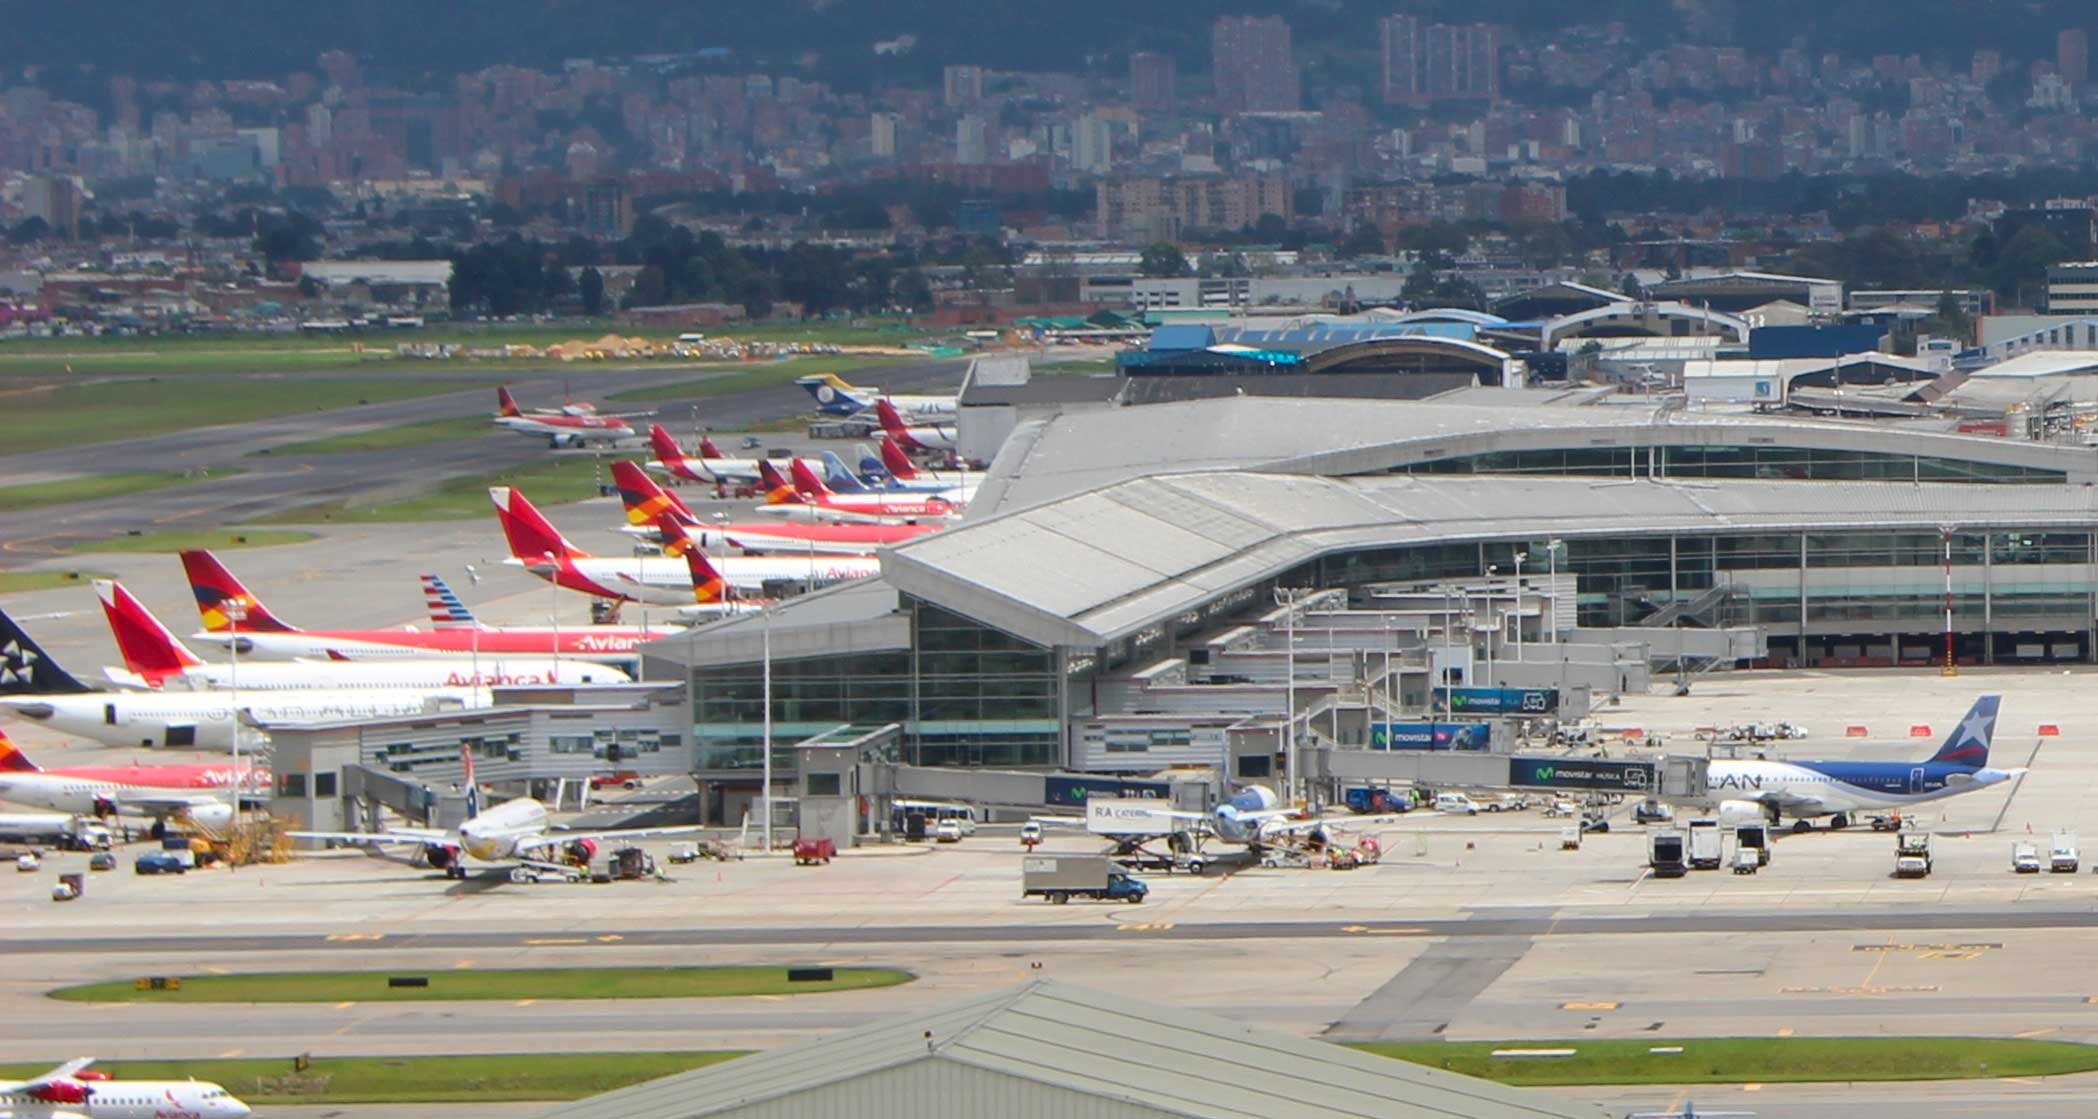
(25, 669)
(1968, 744)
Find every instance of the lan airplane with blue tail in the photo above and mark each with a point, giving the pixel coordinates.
(1746, 789)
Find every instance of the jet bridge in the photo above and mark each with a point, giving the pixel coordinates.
(1671, 776)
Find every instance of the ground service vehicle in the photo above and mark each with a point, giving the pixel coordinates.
(1570, 838)
(1667, 854)
(625, 779)
(1031, 834)
(1707, 845)
(1756, 838)
(1652, 812)
(1745, 861)
(102, 860)
(1063, 877)
(947, 831)
(28, 863)
(1456, 804)
(2062, 857)
(159, 862)
(810, 850)
(2025, 859)
(1912, 854)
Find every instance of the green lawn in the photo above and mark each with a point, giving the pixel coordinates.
(96, 486)
(12, 582)
(761, 376)
(476, 983)
(218, 540)
(1738, 1060)
(144, 356)
(389, 438)
(388, 1080)
(553, 481)
(41, 418)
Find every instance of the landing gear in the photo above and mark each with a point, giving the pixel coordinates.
(1801, 827)
(521, 876)
(1839, 821)
(455, 872)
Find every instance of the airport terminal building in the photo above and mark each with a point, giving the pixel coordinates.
(1111, 604)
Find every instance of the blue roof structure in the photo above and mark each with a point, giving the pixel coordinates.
(1184, 336)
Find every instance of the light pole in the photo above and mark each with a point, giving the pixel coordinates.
(765, 792)
(236, 612)
(553, 608)
(1551, 554)
(1288, 597)
(1493, 617)
(1519, 558)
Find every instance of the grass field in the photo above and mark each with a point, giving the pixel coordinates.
(96, 486)
(41, 418)
(527, 983)
(761, 376)
(1738, 1060)
(218, 540)
(384, 1080)
(12, 582)
(389, 438)
(553, 481)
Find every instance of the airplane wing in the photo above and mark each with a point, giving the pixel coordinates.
(1348, 822)
(63, 1072)
(160, 804)
(402, 835)
(1058, 821)
(526, 846)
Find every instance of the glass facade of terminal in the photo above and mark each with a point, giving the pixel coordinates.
(965, 694)
(1803, 464)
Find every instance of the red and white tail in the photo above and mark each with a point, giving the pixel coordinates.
(220, 596)
(506, 405)
(891, 419)
(895, 461)
(665, 446)
(532, 537)
(778, 491)
(707, 449)
(805, 481)
(12, 759)
(146, 645)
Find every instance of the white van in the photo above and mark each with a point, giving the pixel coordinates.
(1455, 804)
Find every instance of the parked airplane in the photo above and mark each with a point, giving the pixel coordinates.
(907, 475)
(928, 437)
(154, 658)
(563, 428)
(514, 832)
(71, 1092)
(1254, 818)
(1749, 789)
(646, 503)
(540, 548)
(807, 498)
(710, 466)
(836, 397)
(203, 793)
(459, 635)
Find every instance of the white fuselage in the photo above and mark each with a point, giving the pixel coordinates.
(81, 797)
(603, 644)
(494, 835)
(669, 581)
(491, 670)
(128, 1099)
(1801, 791)
(204, 719)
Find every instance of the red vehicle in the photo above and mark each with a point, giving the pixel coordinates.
(810, 851)
(625, 779)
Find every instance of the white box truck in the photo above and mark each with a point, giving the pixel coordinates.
(2062, 857)
(1063, 877)
(1707, 845)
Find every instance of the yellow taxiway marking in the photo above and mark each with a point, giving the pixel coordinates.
(1588, 1006)
(1751, 1087)
(609, 938)
(355, 936)
(2038, 1032)
(526, 1002)
(1395, 930)
(462, 965)
(1159, 927)
(216, 970)
(231, 1053)
(1950, 956)
(344, 1005)
(1784, 1031)
(540, 941)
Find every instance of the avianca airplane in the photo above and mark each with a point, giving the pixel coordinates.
(71, 1092)
(933, 437)
(459, 635)
(711, 466)
(836, 397)
(647, 504)
(807, 498)
(202, 793)
(538, 547)
(514, 832)
(560, 429)
(957, 484)
(1749, 789)
(153, 658)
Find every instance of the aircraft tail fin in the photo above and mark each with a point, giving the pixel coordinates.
(839, 476)
(12, 759)
(446, 607)
(707, 449)
(893, 458)
(778, 491)
(642, 497)
(665, 446)
(473, 787)
(506, 405)
(871, 465)
(531, 535)
(217, 591)
(25, 669)
(1968, 744)
(145, 644)
(805, 481)
(708, 587)
(891, 419)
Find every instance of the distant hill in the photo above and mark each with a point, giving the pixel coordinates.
(77, 47)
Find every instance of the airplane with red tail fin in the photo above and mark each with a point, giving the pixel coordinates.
(709, 466)
(923, 437)
(204, 793)
(806, 497)
(644, 501)
(572, 426)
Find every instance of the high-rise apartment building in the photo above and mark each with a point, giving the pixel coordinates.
(2072, 56)
(962, 86)
(1153, 79)
(1251, 63)
(1441, 62)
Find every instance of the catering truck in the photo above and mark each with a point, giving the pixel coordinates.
(1666, 853)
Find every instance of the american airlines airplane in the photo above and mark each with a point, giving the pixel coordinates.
(514, 832)
(1748, 789)
(71, 1092)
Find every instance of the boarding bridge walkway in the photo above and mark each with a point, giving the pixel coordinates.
(1673, 776)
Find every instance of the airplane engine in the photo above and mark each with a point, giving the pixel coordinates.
(440, 856)
(105, 808)
(210, 817)
(1734, 813)
(581, 852)
(60, 1091)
